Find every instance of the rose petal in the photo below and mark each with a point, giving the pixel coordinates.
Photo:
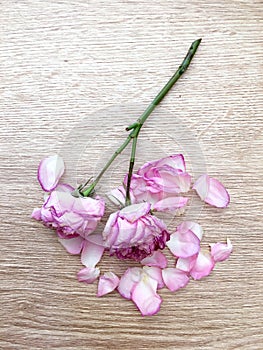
(50, 171)
(36, 214)
(72, 245)
(212, 191)
(128, 281)
(191, 226)
(156, 259)
(107, 283)
(174, 279)
(221, 251)
(91, 254)
(204, 264)
(117, 196)
(184, 244)
(155, 273)
(170, 204)
(145, 297)
(88, 274)
(186, 264)
(135, 211)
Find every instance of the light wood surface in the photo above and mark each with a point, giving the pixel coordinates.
(73, 75)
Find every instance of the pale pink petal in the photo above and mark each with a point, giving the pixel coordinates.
(204, 264)
(128, 281)
(212, 191)
(117, 196)
(155, 273)
(72, 245)
(50, 171)
(135, 211)
(91, 254)
(64, 188)
(191, 226)
(36, 214)
(183, 245)
(88, 274)
(221, 251)
(96, 239)
(145, 297)
(156, 259)
(174, 279)
(170, 204)
(186, 264)
(107, 283)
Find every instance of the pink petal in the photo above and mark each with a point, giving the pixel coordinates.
(221, 251)
(156, 259)
(186, 264)
(117, 196)
(128, 281)
(183, 245)
(50, 171)
(91, 254)
(174, 279)
(107, 283)
(145, 297)
(88, 274)
(64, 188)
(212, 191)
(204, 264)
(170, 204)
(191, 226)
(135, 211)
(155, 273)
(72, 245)
(36, 214)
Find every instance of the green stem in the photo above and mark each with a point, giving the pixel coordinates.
(136, 127)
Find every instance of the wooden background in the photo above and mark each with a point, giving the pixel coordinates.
(74, 74)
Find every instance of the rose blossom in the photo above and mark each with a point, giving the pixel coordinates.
(70, 216)
(134, 233)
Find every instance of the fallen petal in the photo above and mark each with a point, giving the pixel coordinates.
(184, 244)
(174, 278)
(128, 281)
(212, 191)
(221, 251)
(156, 259)
(204, 264)
(170, 204)
(186, 264)
(145, 297)
(88, 274)
(155, 273)
(50, 171)
(91, 254)
(107, 283)
(72, 245)
(191, 226)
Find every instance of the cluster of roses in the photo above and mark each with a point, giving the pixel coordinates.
(134, 232)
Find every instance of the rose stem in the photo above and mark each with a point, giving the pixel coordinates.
(136, 127)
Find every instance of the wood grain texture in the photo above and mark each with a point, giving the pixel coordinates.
(73, 71)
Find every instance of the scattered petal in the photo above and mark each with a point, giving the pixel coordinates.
(212, 191)
(145, 297)
(107, 283)
(72, 245)
(88, 274)
(204, 264)
(191, 226)
(50, 171)
(155, 273)
(170, 204)
(91, 253)
(156, 259)
(174, 278)
(221, 251)
(128, 281)
(183, 244)
(186, 264)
